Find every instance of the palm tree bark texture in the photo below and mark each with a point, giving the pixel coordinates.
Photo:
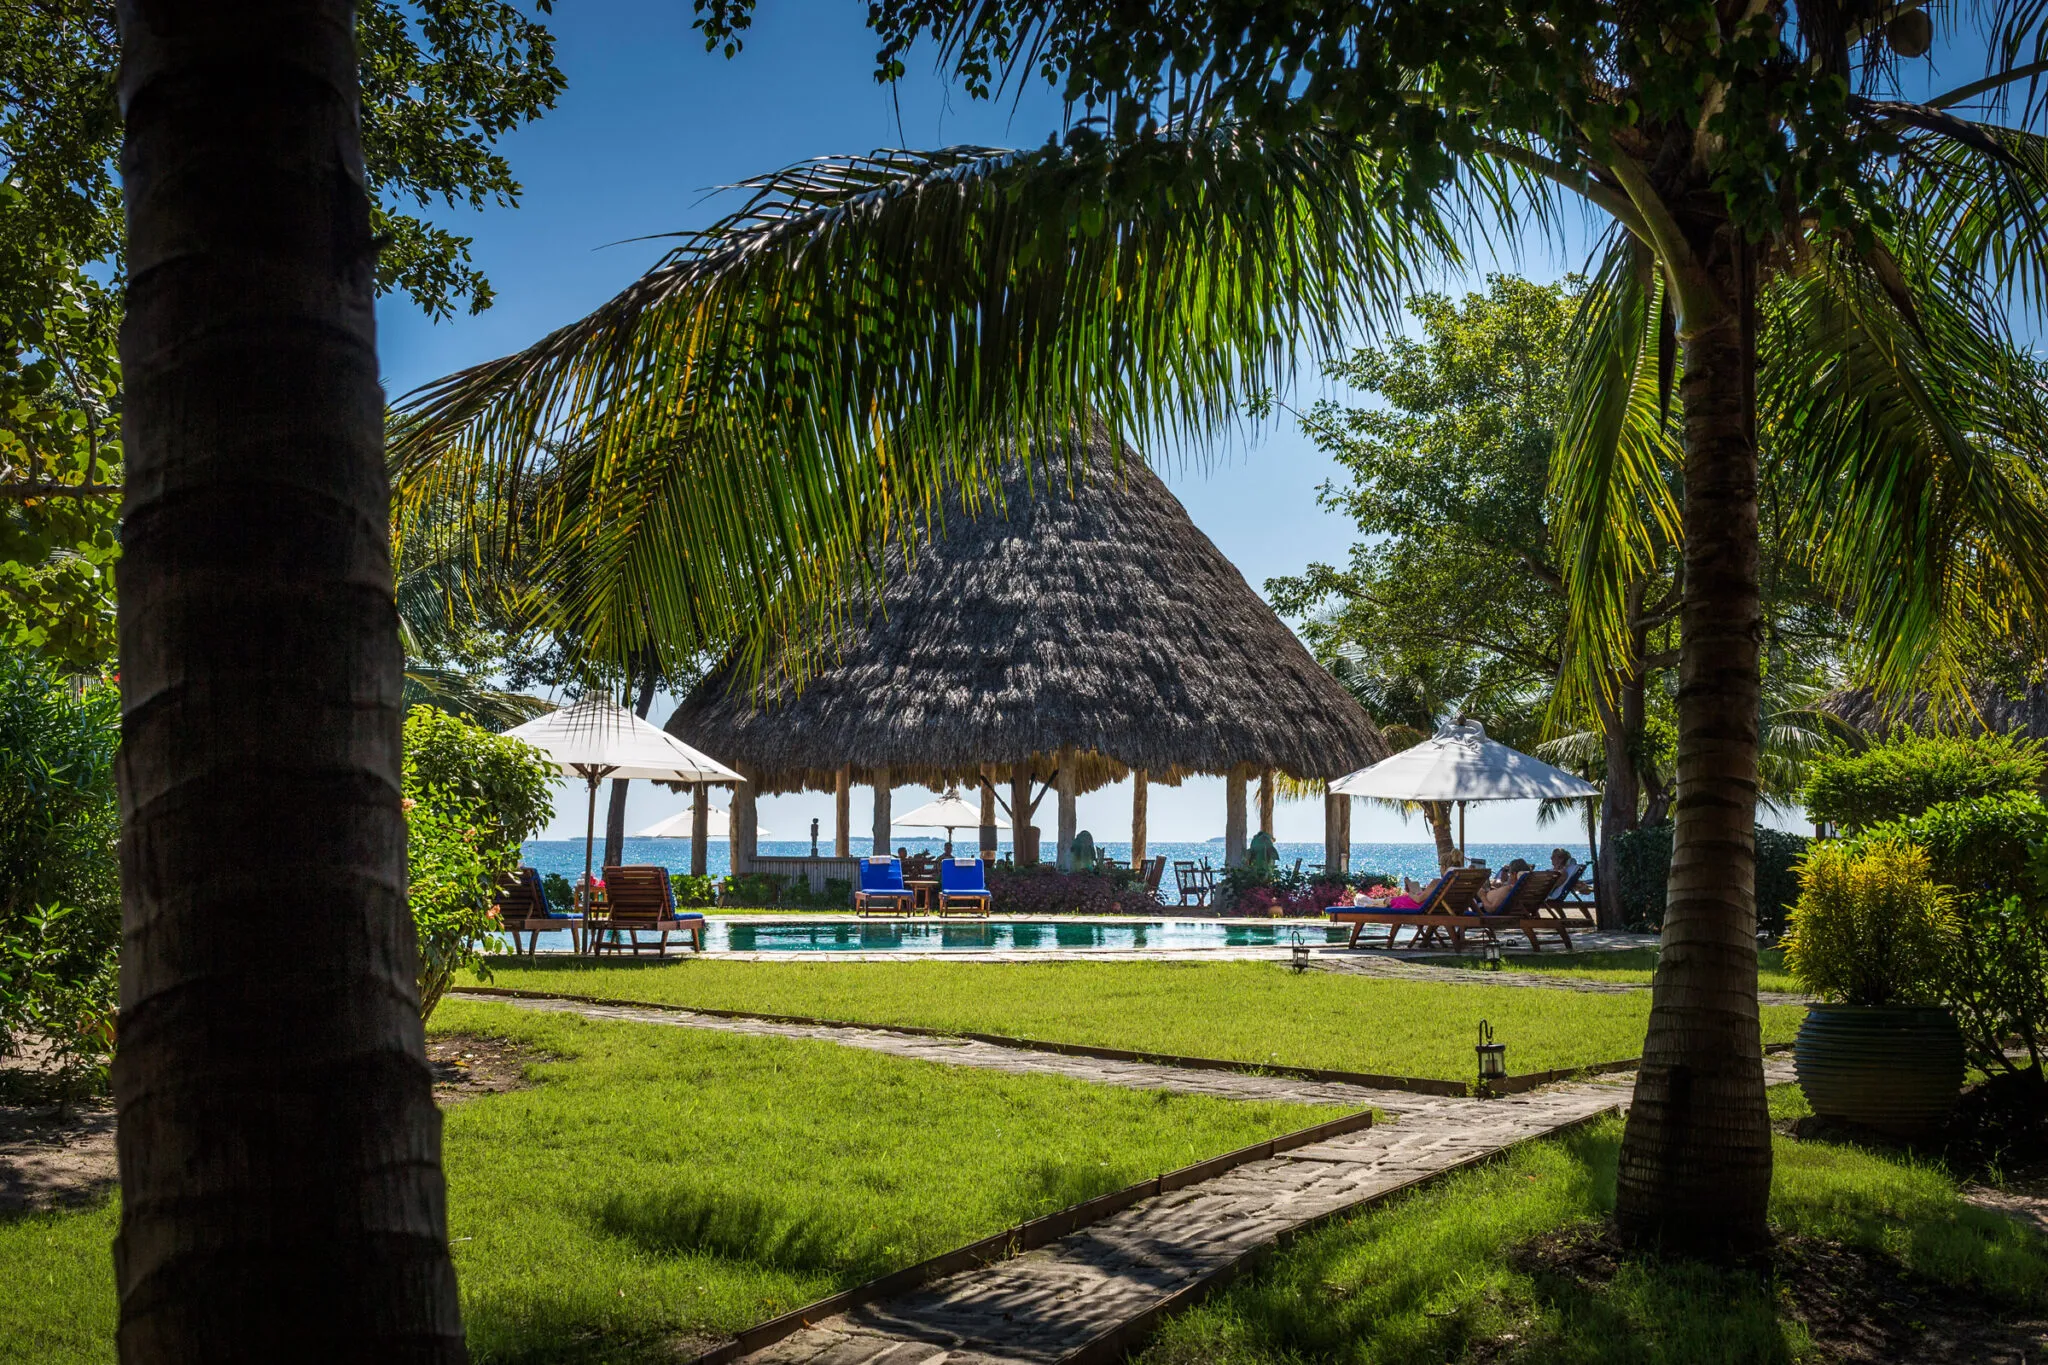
(282, 1196)
(1695, 1169)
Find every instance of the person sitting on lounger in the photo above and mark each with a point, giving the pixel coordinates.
(1496, 895)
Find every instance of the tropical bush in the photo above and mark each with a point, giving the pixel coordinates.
(691, 890)
(752, 888)
(1991, 853)
(509, 783)
(1642, 862)
(471, 799)
(60, 882)
(1910, 773)
(559, 891)
(1045, 890)
(1869, 925)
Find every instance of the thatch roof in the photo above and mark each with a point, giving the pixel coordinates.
(1084, 610)
(1996, 710)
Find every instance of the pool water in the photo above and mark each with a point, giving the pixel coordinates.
(985, 936)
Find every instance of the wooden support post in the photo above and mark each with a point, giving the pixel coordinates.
(1068, 787)
(883, 825)
(1336, 834)
(1023, 834)
(700, 829)
(742, 828)
(1141, 795)
(1266, 779)
(988, 812)
(842, 812)
(1233, 818)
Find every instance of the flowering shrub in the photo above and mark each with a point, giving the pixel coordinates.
(1049, 891)
(471, 799)
(451, 866)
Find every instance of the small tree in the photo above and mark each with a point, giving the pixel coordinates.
(471, 799)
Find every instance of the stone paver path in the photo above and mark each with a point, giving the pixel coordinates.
(1075, 1295)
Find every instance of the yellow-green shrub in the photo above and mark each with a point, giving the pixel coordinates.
(1869, 927)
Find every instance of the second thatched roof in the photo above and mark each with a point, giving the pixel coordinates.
(1085, 611)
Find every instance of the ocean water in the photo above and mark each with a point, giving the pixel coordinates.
(1417, 860)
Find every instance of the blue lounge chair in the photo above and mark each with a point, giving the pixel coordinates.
(963, 886)
(881, 888)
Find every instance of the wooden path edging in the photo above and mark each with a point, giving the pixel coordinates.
(1029, 1236)
(1416, 1085)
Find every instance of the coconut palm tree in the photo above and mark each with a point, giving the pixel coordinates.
(279, 1144)
(886, 320)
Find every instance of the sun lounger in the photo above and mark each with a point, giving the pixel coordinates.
(963, 887)
(1445, 906)
(881, 888)
(638, 900)
(523, 909)
(1571, 894)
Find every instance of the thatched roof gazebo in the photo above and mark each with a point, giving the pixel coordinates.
(1075, 630)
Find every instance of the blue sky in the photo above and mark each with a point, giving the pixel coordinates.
(651, 123)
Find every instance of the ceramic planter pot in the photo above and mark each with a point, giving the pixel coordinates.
(1895, 1068)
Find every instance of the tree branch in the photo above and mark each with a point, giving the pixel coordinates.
(59, 490)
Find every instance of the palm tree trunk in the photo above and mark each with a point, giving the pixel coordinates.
(1619, 798)
(1437, 814)
(615, 814)
(1695, 1170)
(280, 1151)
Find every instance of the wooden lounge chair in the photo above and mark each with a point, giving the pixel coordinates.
(1569, 895)
(523, 909)
(1445, 907)
(638, 900)
(881, 888)
(963, 887)
(1521, 912)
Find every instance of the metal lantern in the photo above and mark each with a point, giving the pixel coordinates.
(1491, 954)
(1493, 1057)
(1299, 959)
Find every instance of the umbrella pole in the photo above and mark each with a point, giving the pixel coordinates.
(589, 842)
(1461, 830)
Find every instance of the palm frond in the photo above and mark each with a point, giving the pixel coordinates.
(468, 696)
(726, 442)
(1914, 431)
(1611, 476)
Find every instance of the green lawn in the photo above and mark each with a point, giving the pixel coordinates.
(1436, 1277)
(660, 1182)
(1626, 965)
(1243, 1011)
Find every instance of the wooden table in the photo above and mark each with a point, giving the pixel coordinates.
(924, 892)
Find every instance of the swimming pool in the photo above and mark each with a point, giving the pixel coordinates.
(1001, 936)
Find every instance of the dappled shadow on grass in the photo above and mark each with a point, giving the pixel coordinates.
(1878, 1263)
(741, 1226)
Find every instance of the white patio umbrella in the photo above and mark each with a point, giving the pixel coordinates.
(1459, 763)
(719, 826)
(596, 739)
(949, 813)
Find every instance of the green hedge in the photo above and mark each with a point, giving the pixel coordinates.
(1642, 864)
